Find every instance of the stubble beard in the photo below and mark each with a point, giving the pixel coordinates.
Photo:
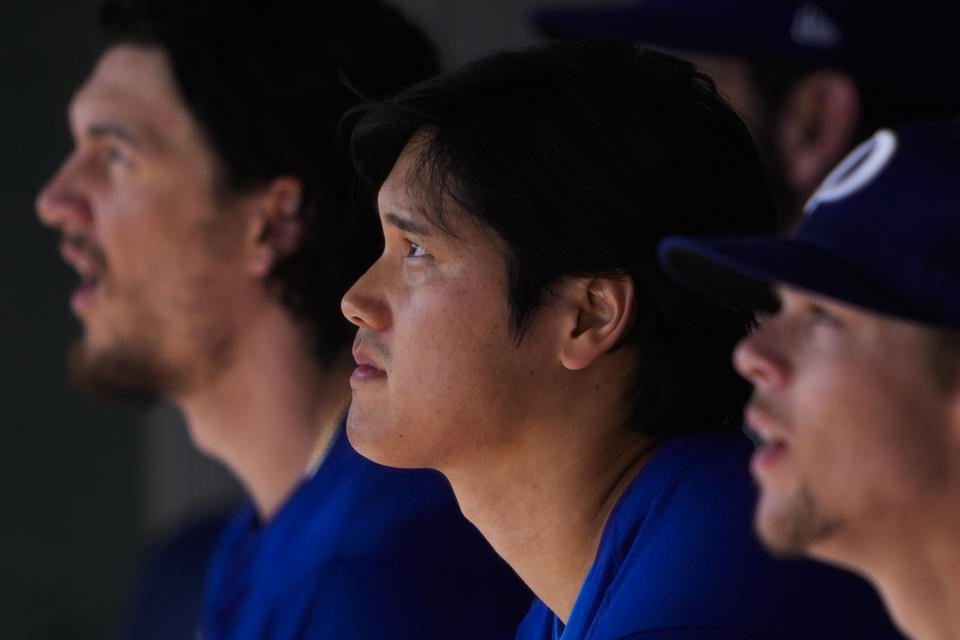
(125, 373)
(134, 369)
(795, 526)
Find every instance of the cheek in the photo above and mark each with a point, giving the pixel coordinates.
(858, 443)
(131, 233)
(165, 237)
(452, 350)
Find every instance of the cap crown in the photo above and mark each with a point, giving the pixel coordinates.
(904, 51)
(891, 209)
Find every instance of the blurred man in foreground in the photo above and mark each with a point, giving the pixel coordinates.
(857, 370)
(518, 335)
(811, 78)
(211, 215)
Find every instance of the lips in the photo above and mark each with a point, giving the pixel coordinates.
(82, 295)
(365, 372)
(772, 443)
(89, 263)
(367, 368)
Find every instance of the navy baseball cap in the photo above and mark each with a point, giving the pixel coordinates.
(906, 50)
(882, 232)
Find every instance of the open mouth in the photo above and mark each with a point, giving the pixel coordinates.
(772, 447)
(769, 452)
(80, 299)
(87, 264)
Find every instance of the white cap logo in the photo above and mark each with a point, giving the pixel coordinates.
(812, 26)
(856, 170)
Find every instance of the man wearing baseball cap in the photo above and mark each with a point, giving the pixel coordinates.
(811, 78)
(857, 369)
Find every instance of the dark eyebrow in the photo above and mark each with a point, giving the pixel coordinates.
(109, 129)
(406, 224)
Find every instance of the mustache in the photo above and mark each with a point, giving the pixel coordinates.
(764, 407)
(84, 244)
(379, 350)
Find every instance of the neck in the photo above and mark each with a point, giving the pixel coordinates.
(543, 499)
(271, 410)
(916, 569)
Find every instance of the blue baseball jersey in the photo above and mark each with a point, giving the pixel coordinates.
(679, 560)
(361, 552)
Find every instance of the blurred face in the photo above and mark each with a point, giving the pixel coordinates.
(440, 376)
(855, 428)
(140, 221)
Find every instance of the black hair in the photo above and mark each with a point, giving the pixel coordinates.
(268, 84)
(581, 157)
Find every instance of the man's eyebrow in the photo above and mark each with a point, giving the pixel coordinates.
(111, 130)
(406, 224)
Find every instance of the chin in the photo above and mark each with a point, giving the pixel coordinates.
(116, 375)
(791, 525)
(775, 538)
(380, 442)
(365, 435)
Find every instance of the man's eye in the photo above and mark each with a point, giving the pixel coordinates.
(822, 315)
(415, 251)
(116, 156)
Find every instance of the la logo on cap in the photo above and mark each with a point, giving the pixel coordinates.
(858, 169)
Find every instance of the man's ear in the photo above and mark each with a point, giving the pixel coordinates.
(601, 314)
(275, 227)
(815, 128)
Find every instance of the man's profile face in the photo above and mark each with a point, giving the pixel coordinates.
(856, 429)
(441, 376)
(140, 221)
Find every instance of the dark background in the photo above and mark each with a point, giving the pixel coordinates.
(68, 468)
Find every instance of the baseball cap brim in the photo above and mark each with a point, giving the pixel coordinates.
(739, 272)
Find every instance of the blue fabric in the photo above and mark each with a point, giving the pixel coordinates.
(678, 560)
(361, 552)
(166, 599)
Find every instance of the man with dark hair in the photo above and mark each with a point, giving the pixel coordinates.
(812, 78)
(211, 215)
(856, 389)
(517, 335)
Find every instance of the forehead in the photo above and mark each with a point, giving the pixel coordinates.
(402, 183)
(135, 85)
(407, 180)
(413, 191)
